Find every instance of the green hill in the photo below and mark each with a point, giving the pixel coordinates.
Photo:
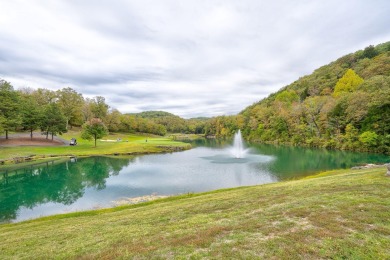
(337, 215)
(174, 123)
(154, 114)
(343, 105)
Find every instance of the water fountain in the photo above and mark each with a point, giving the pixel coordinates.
(238, 150)
(237, 154)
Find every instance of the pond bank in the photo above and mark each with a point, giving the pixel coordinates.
(33, 158)
(126, 144)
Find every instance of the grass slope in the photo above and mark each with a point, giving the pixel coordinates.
(340, 214)
(132, 144)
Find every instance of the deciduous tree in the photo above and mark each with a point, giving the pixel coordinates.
(94, 129)
(71, 104)
(348, 83)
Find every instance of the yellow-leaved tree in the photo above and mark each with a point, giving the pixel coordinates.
(347, 83)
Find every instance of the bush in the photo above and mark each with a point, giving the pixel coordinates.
(369, 139)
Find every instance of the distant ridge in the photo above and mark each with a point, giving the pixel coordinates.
(153, 114)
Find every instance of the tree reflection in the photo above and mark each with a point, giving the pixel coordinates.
(290, 160)
(54, 182)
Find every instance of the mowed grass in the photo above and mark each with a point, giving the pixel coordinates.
(338, 215)
(129, 143)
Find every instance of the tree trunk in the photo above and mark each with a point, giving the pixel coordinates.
(315, 124)
(95, 140)
(6, 134)
(52, 136)
(47, 134)
(31, 133)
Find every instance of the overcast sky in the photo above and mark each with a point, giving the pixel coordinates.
(191, 58)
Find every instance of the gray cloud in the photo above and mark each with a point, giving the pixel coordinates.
(192, 58)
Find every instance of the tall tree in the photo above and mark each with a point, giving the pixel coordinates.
(313, 108)
(31, 113)
(9, 107)
(44, 96)
(71, 104)
(94, 129)
(113, 120)
(99, 107)
(53, 121)
(86, 110)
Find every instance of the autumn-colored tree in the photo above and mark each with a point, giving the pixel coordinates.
(287, 96)
(347, 83)
(369, 139)
(113, 120)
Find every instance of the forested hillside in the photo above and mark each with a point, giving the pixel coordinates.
(343, 105)
(174, 123)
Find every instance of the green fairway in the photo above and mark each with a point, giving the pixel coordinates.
(338, 215)
(128, 144)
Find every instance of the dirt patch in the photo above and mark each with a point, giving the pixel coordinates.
(27, 141)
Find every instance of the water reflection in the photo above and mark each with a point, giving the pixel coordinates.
(54, 182)
(292, 160)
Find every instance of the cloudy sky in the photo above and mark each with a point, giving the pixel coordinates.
(192, 58)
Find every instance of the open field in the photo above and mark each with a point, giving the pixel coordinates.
(128, 144)
(339, 215)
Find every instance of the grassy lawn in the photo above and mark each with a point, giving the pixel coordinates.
(339, 215)
(129, 144)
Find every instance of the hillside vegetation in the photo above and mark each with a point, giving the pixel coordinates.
(336, 215)
(343, 105)
(173, 123)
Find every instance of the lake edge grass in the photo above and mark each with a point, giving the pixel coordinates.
(129, 145)
(338, 214)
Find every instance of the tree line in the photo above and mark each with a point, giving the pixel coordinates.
(53, 112)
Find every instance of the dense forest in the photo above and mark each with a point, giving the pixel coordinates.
(343, 105)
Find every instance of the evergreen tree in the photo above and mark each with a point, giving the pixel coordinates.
(53, 121)
(370, 52)
(9, 107)
(31, 114)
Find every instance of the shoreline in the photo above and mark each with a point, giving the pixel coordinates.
(23, 161)
(19, 150)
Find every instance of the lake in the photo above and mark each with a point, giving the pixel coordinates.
(98, 182)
